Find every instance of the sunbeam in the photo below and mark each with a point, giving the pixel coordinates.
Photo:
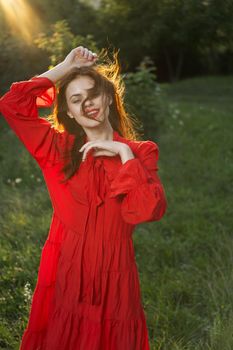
(21, 18)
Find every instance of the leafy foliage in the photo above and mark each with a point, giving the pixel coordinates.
(182, 37)
(143, 97)
(60, 40)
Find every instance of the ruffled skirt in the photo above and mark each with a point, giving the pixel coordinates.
(58, 321)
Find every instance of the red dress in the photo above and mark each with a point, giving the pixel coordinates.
(87, 295)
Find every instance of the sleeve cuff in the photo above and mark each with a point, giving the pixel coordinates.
(130, 175)
(41, 87)
(46, 97)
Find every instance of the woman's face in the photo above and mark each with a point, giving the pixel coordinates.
(95, 112)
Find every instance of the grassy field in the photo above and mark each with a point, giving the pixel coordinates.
(185, 260)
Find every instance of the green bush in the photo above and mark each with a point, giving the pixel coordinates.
(144, 98)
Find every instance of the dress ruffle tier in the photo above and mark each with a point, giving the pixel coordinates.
(117, 322)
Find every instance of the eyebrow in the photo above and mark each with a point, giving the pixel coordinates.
(77, 95)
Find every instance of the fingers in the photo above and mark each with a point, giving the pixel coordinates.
(85, 53)
(85, 150)
(97, 151)
(87, 147)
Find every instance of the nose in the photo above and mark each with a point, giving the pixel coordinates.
(88, 102)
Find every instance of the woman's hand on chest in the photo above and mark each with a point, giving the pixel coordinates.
(107, 148)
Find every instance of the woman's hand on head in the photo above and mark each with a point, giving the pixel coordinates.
(80, 57)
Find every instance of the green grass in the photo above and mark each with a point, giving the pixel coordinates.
(184, 260)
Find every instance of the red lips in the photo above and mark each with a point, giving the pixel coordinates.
(93, 115)
(91, 110)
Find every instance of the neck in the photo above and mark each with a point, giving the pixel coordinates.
(100, 135)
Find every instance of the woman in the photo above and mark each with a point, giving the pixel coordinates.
(102, 182)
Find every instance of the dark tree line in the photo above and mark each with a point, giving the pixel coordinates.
(182, 37)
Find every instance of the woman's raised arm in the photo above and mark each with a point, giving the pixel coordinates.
(20, 105)
(78, 57)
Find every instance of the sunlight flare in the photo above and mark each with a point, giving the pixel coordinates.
(21, 18)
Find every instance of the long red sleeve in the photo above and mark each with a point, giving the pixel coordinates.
(20, 105)
(137, 180)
